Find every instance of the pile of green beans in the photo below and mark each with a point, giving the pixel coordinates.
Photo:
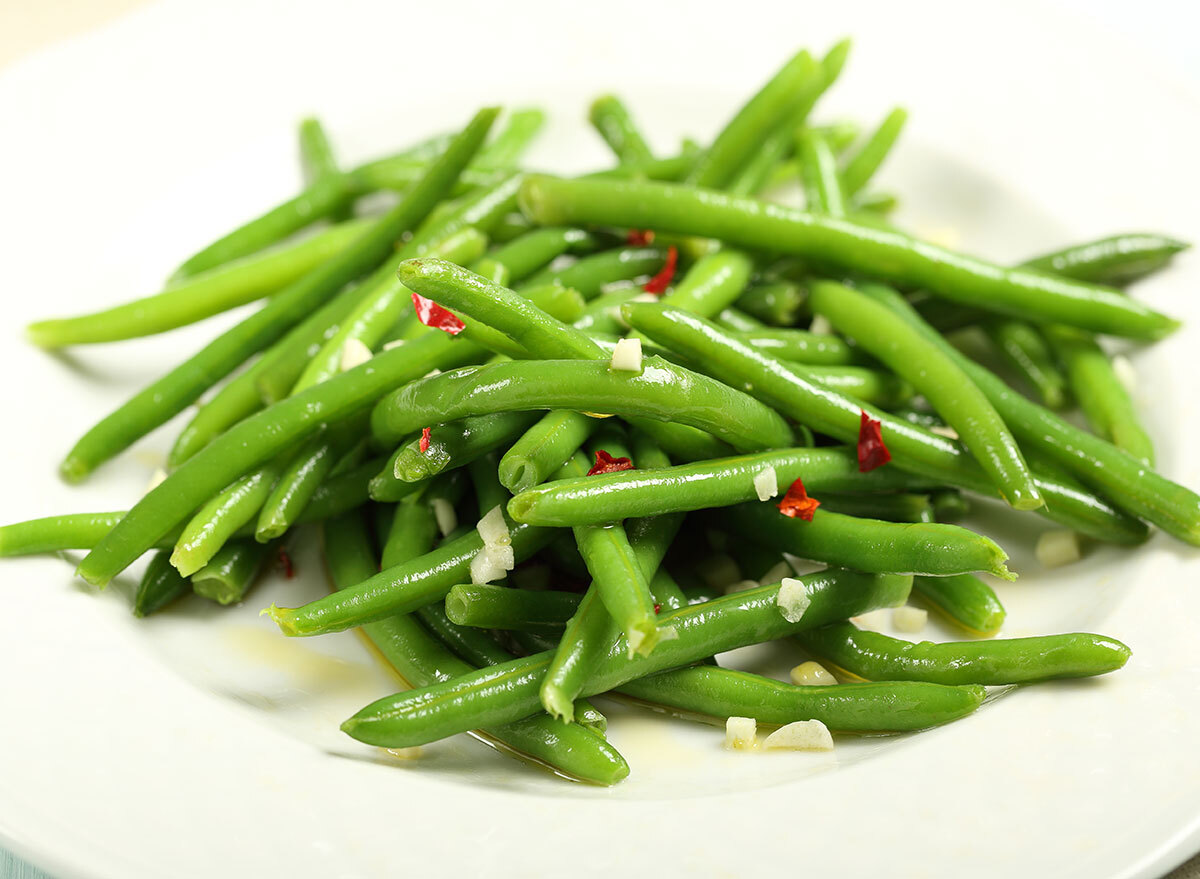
(565, 438)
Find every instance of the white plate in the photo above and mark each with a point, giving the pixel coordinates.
(199, 743)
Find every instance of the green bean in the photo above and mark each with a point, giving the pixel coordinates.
(913, 448)
(386, 487)
(231, 572)
(877, 657)
(1130, 484)
(819, 172)
(713, 283)
(160, 585)
(949, 505)
(877, 547)
(509, 691)
(489, 492)
(421, 660)
(257, 439)
(1118, 260)
(403, 588)
(603, 314)
(899, 507)
(879, 252)
(510, 142)
(868, 707)
(965, 600)
(591, 274)
(411, 534)
(682, 443)
(526, 254)
(609, 497)
(863, 164)
(881, 203)
(611, 119)
(56, 533)
(777, 304)
(1105, 402)
(949, 390)
(790, 90)
(543, 448)
(200, 296)
(737, 320)
(863, 383)
(497, 607)
(801, 346)
(661, 391)
(458, 443)
(1025, 350)
(316, 152)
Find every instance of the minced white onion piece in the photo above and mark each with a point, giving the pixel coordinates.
(1055, 548)
(395, 343)
(909, 619)
(873, 620)
(944, 430)
(1125, 373)
(811, 674)
(443, 512)
(354, 353)
(801, 735)
(741, 733)
(156, 479)
(627, 355)
(493, 529)
(766, 483)
(821, 326)
(792, 599)
(719, 571)
(777, 573)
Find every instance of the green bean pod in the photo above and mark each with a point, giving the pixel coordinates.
(509, 691)
(231, 572)
(505, 149)
(612, 120)
(543, 448)
(496, 607)
(878, 657)
(533, 250)
(819, 173)
(56, 533)
(1024, 349)
(458, 443)
(713, 283)
(777, 304)
(965, 600)
(316, 151)
(898, 507)
(862, 166)
(873, 386)
(591, 274)
(160, 585)
(1118, 260)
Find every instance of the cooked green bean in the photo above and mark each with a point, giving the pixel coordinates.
(738, 321)
(965, 600)
(602, 315)
(421, 660)
(879, 252)
(200, 296)
(1118, 260)
(591, 274)
(878, 657)
(231, 572)
(530, 252)
(947, 388)
(898, 507)
(929, 549)
(316, 152)
(862, 166)
(819, 172)
(873, 386)
(1105, 402)
(661, 391)
(777, 304)
(543, 448)
(160, 585)
(801, 346)
(611, 119)
(386, 487)
(489, 492)
(56, 533)
(949, 505)
(419, 716)
(505, 149)
(713, 283)
(881, 203)
(458, 443)
(411, 534)
(913, 448)
(1024, 349)
(498, 607)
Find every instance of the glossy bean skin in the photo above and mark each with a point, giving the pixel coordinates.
(737, 320)
(788, 387)
(591, 274)
(871, 545)
(875, 386)
(505, 149)
(421, 661)
(935, 374)
(854, 246)
(301, 477)
(526, 254)
(896, 507)
(713, 283)
(200, 296)
(819, 174)
(878, 657)
(1024, 349)
(1117, 260)
(543, 448)
(255, 440)
(610, 117)
(661, 391)
(861, 167)
(160, 585)
(965, 600)
(403, 588)
(856, 708)
(1130, 483)
(56, 533)
(776, 304)
(458, 443)
(316, 152)
(506, 692)
(722, 482)
(498, 607)
(231, 572)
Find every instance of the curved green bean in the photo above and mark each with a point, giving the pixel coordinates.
(498, 607)
(1117, 260)
(861, 167)
(819, 173)
(777, 304)
(1024, 349)
(801, 346)
(965, 600)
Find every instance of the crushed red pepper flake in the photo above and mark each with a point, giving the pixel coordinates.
(657, 608)
(424, 443)
(433, 315)
(872, 452)
(639, 237)
(285, 564)
(660, 282)
(797, 504)
(606, 463)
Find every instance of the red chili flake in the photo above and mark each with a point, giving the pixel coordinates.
(660, 282)
(872, 452)
(797, 502)
(606, 463)
(657, 608)
(433, 315)
(285, 564)
(424, 444)
(639, 237)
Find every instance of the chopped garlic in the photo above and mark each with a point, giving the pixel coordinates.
(1055, 548)
(395, 343)
(493, 529)
(491, 563)
(443, 512)
(1125, 373)
(821, 326)
(432, 373)
(792, 599)
(741, 733)
(158, 478)
(741, 586)
(811, 674)
(802, 735)
(944, 430)
(873, 620)
(354, 353)
(766, 483)
(777, 573)
(645, 297)
(627, 355)
(909, 619)
(719, 571)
